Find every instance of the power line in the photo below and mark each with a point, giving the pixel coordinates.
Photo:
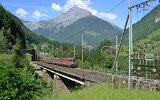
(116, 6)
(120, 44)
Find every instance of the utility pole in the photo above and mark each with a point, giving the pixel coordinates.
(37, 53)
(82, 58)
(82, 50)
(61, 49)
(89, 51)
(57, 52)
(74, 52)
(116, 54)
(130, 44)
(52, 50)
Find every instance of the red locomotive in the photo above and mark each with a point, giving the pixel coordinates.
(68, 62)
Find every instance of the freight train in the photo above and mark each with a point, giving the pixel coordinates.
(67, 62)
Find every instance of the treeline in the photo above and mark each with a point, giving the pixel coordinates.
(10, 30)
(100, 57)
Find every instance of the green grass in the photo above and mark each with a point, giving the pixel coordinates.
(106, 92)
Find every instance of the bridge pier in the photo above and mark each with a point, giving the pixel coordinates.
(59, 85)
(50, 76)
(38, 70)
(47, 76)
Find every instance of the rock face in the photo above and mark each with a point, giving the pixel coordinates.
(70, 16)
(73, 23)
(62, 20)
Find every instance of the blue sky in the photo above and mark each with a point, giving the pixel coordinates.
(35, 10)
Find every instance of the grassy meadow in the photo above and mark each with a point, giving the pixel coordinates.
(106, 92)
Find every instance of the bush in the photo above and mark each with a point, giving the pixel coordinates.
(17, 78)
(19, 83)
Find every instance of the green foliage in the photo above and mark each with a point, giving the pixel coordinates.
(109, 60)
(18, 83)
(6, 58)
(47, 91)
(19, 60)
(11, 29)
(101, 52)
(17, 78)
(150, 44)
(2, 44)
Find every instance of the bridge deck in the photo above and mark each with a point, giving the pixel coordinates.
(99, 77)
(84, 74)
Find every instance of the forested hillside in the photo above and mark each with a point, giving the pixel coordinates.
(94, 30)
(146, 32)
(11, 28)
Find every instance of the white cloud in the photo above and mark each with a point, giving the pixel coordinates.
(81, 3)
(56, 7)
(85, 4)
(37, 14)
(108, 16)
(21, 12)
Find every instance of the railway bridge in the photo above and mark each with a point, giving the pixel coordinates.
(65, 78)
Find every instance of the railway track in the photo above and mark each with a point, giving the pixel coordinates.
(99, 77)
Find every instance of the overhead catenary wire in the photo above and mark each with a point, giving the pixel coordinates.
(116, 6)
(120, 44)
(141, 5)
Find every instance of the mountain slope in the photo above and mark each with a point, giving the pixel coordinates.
(93, 29)
(72, 23)
(10, 30)
(52, 26)
(146, 26)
